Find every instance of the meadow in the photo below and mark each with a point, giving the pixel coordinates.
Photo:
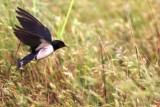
(112, 59)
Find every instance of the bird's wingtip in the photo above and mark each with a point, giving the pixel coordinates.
(19, 8)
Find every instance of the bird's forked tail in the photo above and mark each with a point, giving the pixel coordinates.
(23, 61)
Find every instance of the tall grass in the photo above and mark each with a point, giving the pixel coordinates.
(66, 19)
(111, 60)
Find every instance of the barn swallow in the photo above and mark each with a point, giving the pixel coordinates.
(34, 34)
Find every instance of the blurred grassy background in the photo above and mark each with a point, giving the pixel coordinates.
(112, 59)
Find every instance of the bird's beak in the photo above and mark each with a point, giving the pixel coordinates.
(66, 46)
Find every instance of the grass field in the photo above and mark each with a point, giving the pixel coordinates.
(112, 59)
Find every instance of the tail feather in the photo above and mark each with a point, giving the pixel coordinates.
(22, 62)
(19, 64)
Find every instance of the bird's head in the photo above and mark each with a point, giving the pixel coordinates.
(58, 44)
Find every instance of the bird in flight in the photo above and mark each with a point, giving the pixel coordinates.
(34, 34)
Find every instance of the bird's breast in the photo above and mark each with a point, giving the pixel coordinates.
(45, 51)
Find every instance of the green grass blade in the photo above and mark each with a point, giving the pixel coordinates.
(66, 20)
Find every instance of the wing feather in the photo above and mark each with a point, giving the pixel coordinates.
(26, 37)
(32, 25)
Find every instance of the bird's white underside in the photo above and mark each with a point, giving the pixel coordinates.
(45, 49)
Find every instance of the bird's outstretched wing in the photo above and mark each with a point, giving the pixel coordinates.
(31, 25)
(27, 37)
